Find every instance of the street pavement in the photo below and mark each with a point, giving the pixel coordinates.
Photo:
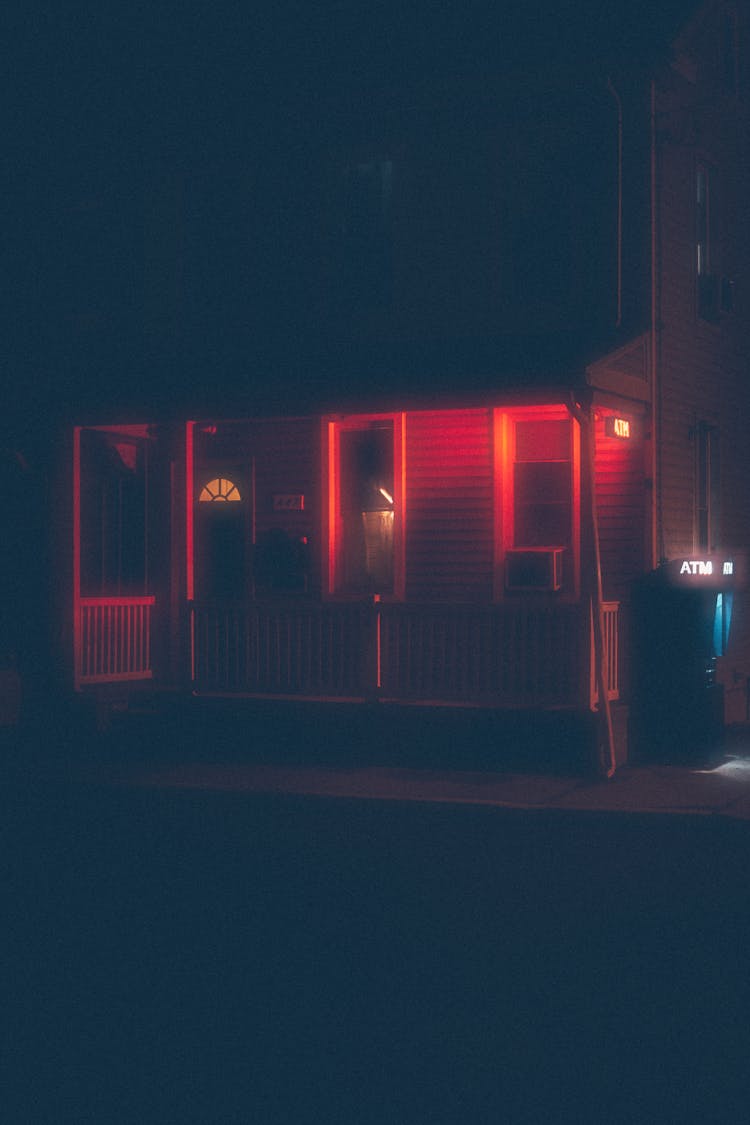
(193, 935)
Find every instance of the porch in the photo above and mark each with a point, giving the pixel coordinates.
(508, 656)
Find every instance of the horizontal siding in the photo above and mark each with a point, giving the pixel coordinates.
(702, 377)
(287, 461)
(621, 509)
(449, 505)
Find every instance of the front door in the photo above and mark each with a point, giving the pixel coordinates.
(223, 534)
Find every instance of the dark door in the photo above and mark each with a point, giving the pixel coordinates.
(222, 535)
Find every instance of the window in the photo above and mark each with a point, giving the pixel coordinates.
(219, 489)
(114, 500)
(365, 497)
(542, 493)
(537, 471)
(706, 487)
(722, 622)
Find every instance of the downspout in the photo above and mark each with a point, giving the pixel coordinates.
(618, 100)
(605, 742)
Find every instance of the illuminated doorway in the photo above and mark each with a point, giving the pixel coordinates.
(366, 500)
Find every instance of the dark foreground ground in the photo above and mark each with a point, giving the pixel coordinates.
(191, 956)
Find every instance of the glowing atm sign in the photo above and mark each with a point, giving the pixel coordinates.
(702, 567)
(618, 427)
(713, 572)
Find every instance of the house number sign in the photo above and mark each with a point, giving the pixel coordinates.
(288, 502)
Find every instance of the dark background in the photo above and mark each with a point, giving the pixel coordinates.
(165, 166)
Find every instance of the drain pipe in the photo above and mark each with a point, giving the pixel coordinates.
(606, 762)
(618, 100)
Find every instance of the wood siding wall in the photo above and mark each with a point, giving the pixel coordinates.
(450, 499)
(287, 462)
(703, 365)
(620, 500)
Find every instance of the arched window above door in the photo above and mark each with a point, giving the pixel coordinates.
(219, 489)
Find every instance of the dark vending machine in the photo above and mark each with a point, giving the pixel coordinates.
(682, 615)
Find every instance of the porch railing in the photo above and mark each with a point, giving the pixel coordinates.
(113, 639)
(295, 647)
(511, 655)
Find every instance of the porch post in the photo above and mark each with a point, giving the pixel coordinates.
(372, 654)
(605, 746)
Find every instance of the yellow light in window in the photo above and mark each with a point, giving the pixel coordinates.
(219, 489)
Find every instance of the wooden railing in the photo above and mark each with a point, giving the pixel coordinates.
(517, 654)
(300, 648)
(113, 639)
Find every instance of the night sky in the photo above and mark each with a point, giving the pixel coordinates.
(145, 141)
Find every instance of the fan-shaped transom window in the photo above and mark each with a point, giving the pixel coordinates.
(221, 488)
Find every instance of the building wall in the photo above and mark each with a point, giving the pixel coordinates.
(499, 216)
(276, 463)
(287, 465)
(703, 372)
(456, 468)
(450, 505)
(620, 499)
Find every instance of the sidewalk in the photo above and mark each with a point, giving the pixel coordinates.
(354, 754)
(723, 790)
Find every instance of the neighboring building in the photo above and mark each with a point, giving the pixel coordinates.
(526, 390)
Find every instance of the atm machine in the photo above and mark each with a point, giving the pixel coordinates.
(682, 616)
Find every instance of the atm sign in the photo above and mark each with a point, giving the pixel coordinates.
(617, 427)
(705, 568)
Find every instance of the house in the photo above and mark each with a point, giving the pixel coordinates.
(512, 454)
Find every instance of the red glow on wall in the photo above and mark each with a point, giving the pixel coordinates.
(365, 452)
(537, 467)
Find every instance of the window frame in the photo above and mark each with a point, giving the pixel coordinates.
(332, 537)
(113, 580)
(505, 421)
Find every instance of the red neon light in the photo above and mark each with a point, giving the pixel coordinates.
(332, 494)
(333, 530)
(189, 528)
